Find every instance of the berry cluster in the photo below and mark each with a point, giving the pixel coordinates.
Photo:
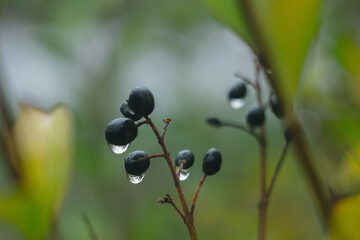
(255, 119)
(122, 131)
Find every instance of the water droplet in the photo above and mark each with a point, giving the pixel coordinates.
(118, 149)
(135, 179)
(269, 71)
(184, 174)
(237, 103)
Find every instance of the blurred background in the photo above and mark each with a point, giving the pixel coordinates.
(91, 54)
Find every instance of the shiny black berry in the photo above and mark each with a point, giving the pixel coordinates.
(256, 116)
(186, 157)
(211, 162)
(237, 90)
(213, 121)
(141, 101)
(135, 164)
(277, 107)
(121, 131)
(126, 111)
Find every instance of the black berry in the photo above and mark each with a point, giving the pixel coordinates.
(277, 107)
(237, 90)
(211, 162)
(141, 101)
(256, 116)
(121, 131)
(213, 121)
(135, 164)
(186, 157)
(126, 111)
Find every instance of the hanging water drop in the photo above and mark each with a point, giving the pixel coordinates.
(135, 179)
(184, 174)
(237, 103)
(118, 149)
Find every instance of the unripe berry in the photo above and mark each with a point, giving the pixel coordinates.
(186, 157)
(213, 121)
(126, 111)
(237, 90)
(211, 162)
(255, 117)
(141, 101)
(277, 107)
(121, 131)
(135, 163)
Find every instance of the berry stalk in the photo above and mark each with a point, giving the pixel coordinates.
(189, 220)
(196, 194)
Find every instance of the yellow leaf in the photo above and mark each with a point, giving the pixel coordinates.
(44, 146)
(345, 220)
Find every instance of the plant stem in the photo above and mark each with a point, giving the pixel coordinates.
(196, 195)
(241, 127)
(168, 199)
(263, 201)
(304, 157)
(90, 227)
(262, 155)
(277, 170)
(189, 220)
(7, 142)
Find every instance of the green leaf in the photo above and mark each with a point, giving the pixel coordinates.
(229, 13)
(285, 31)
(280, 30)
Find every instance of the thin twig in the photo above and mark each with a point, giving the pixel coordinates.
(179, 170)
(262, 154)
(245, 79)
(277, 170)
(152, 156)
(90, 227)
(263, 200)
(168, 199)
(241, 127)
(189, 221)
(167, 122)
(141, 123)
(196, 195)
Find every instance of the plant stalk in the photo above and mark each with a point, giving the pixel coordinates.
(189, 220)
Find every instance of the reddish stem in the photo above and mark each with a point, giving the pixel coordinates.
(196, 194)
(189, 221)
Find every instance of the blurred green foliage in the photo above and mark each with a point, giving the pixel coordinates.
(102, 49)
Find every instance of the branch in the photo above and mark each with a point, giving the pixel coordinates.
(90, 227)
(189, 221)
(277, 170)
(168, 199)
(196, 195)
(245, 79)
(141, 123)
(179, 170)
(241, 127)
(167, 122)
(152, 156)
